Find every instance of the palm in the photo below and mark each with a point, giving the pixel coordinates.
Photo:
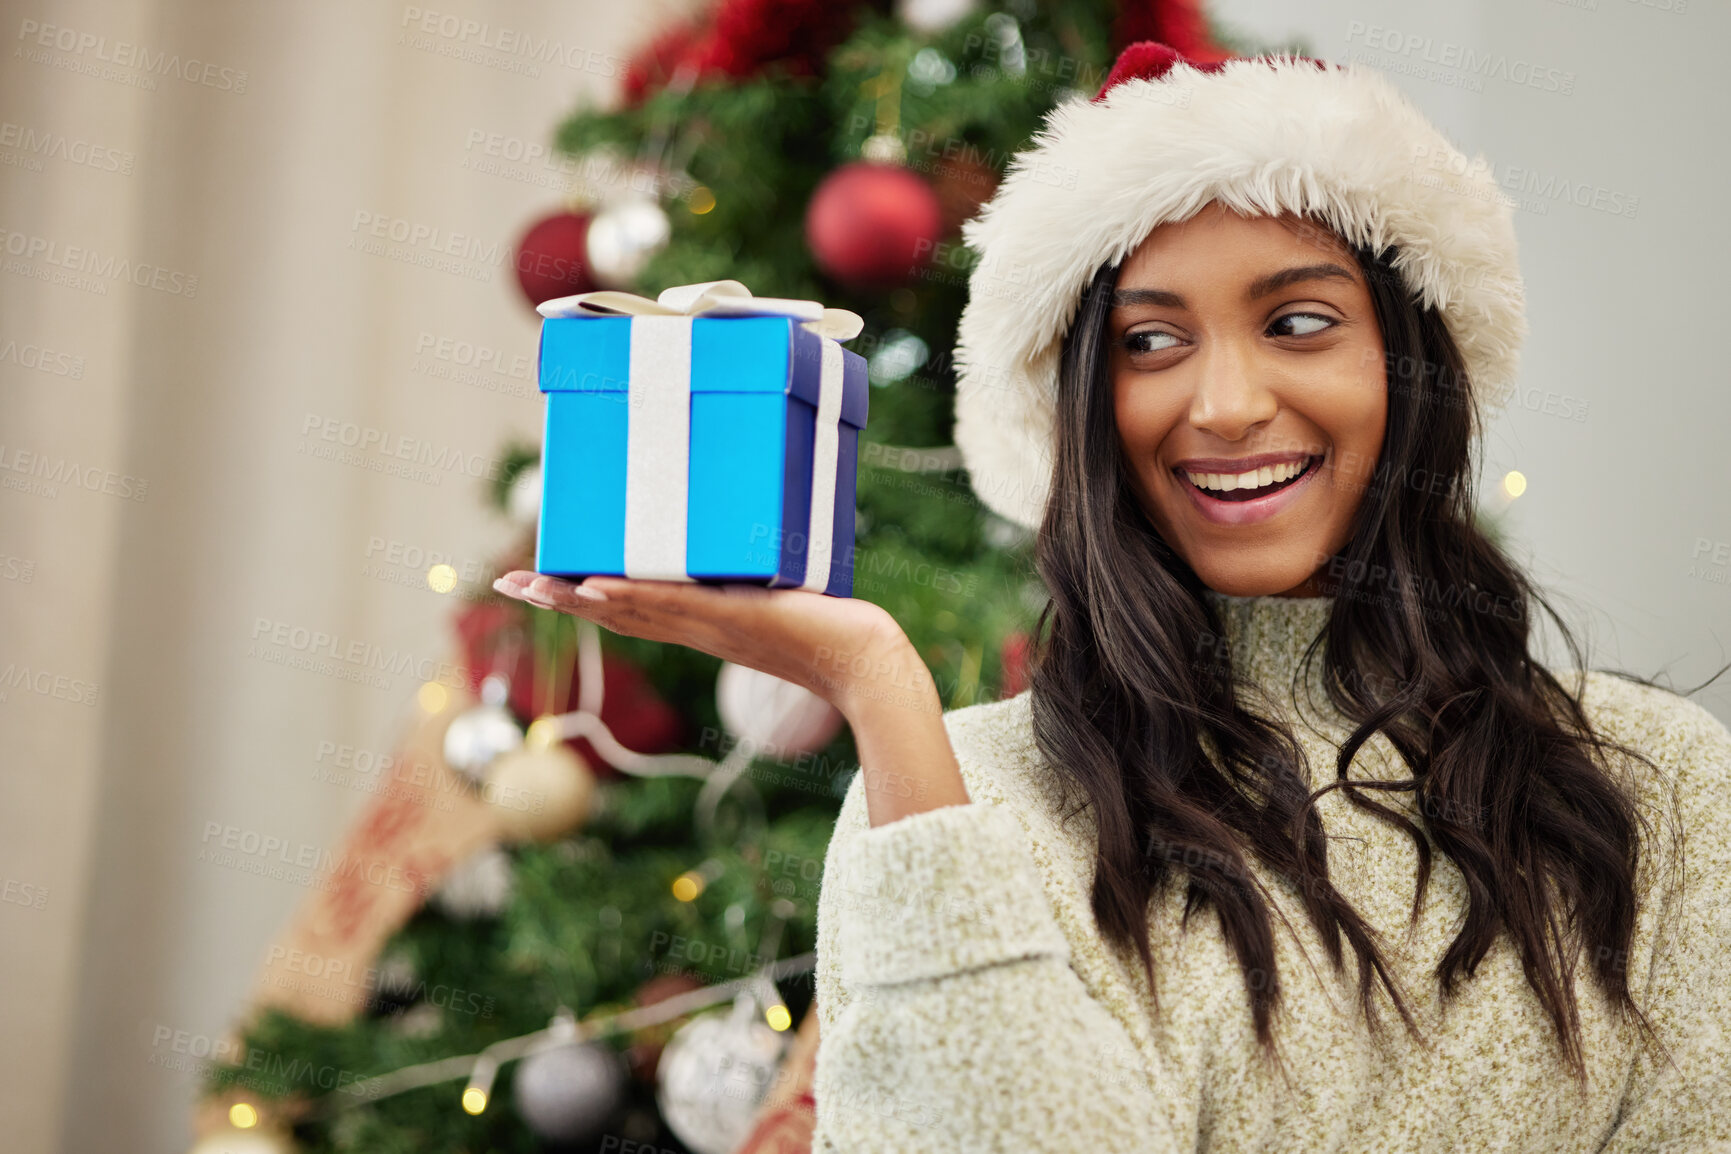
(823, 643)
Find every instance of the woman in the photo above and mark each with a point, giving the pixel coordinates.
(1291, 844)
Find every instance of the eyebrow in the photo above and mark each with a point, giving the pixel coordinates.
(1259, 288)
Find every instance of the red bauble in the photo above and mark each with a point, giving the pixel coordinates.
(550, 260)
(873, 225)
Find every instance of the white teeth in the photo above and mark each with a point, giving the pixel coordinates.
(1254, 479)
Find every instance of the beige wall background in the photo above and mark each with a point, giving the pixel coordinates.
(205, 515)
(195, 516)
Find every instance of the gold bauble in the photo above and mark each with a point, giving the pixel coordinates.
(538, 792)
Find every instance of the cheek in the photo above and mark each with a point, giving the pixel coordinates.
(1144, 418)
(1351, 407)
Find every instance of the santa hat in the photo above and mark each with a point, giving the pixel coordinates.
(1164, 137)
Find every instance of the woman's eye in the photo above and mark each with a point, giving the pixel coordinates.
(1151, 341)
(1299, 324)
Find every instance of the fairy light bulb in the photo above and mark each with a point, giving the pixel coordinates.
(441, 578)
(688, 885)
(432, 697)
(1514, 483)
(544, 732)
(474, 1100)
(242, 1116)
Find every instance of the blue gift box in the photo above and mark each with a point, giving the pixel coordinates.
(686, 446)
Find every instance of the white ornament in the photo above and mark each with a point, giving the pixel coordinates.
(713, 1075)
(623, 237)
(1002, 533)
(523, 500)
(476, 736)
(777, 717)
(566, 1091)
(478, 886)
(421, 1020)
(929, 17)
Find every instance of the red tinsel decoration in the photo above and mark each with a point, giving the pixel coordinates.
(740, 37)
(654, 66)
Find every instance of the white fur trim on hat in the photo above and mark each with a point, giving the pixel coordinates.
(1263, 136)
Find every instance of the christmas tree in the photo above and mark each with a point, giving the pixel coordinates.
(815, 150)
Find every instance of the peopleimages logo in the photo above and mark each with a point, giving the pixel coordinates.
(87, 262)
(87, 46)
(1460, 60)
(37, 145)
(462, 36)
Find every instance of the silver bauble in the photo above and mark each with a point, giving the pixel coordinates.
(622, 238)
(476, 736)
(714, 1074)
(565, 1092)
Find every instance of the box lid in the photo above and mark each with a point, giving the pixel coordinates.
(728, 355)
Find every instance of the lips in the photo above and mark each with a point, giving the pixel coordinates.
(1237, 485)
(1245, 505)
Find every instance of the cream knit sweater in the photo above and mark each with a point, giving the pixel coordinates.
(967, 1000)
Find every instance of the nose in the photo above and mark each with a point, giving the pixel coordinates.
(1231, 396)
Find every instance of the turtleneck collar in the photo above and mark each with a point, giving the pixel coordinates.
(1267, 637)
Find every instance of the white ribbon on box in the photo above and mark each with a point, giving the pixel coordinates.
(659, 396)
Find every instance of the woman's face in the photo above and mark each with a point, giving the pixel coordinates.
(1248, 383)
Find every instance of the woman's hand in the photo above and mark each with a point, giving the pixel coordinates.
(851, 653)
(844, 650)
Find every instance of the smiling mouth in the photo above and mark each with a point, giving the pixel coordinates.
(1249, 486)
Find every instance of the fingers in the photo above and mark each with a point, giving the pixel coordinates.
(550, 592)
(657, 610)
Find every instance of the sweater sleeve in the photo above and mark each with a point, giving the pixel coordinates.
(1685, 1103)
(950, 1017)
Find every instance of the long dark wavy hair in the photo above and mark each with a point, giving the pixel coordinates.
(1426, 643)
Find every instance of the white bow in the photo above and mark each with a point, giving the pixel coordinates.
(715, 298)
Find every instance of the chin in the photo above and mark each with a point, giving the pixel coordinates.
(1251, 579)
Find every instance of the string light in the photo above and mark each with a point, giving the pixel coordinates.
(481, 1068)
(432, 697)
(1514, 483)
(775, 1011)
(441, 578)
(242, 1116)
(699, 200)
